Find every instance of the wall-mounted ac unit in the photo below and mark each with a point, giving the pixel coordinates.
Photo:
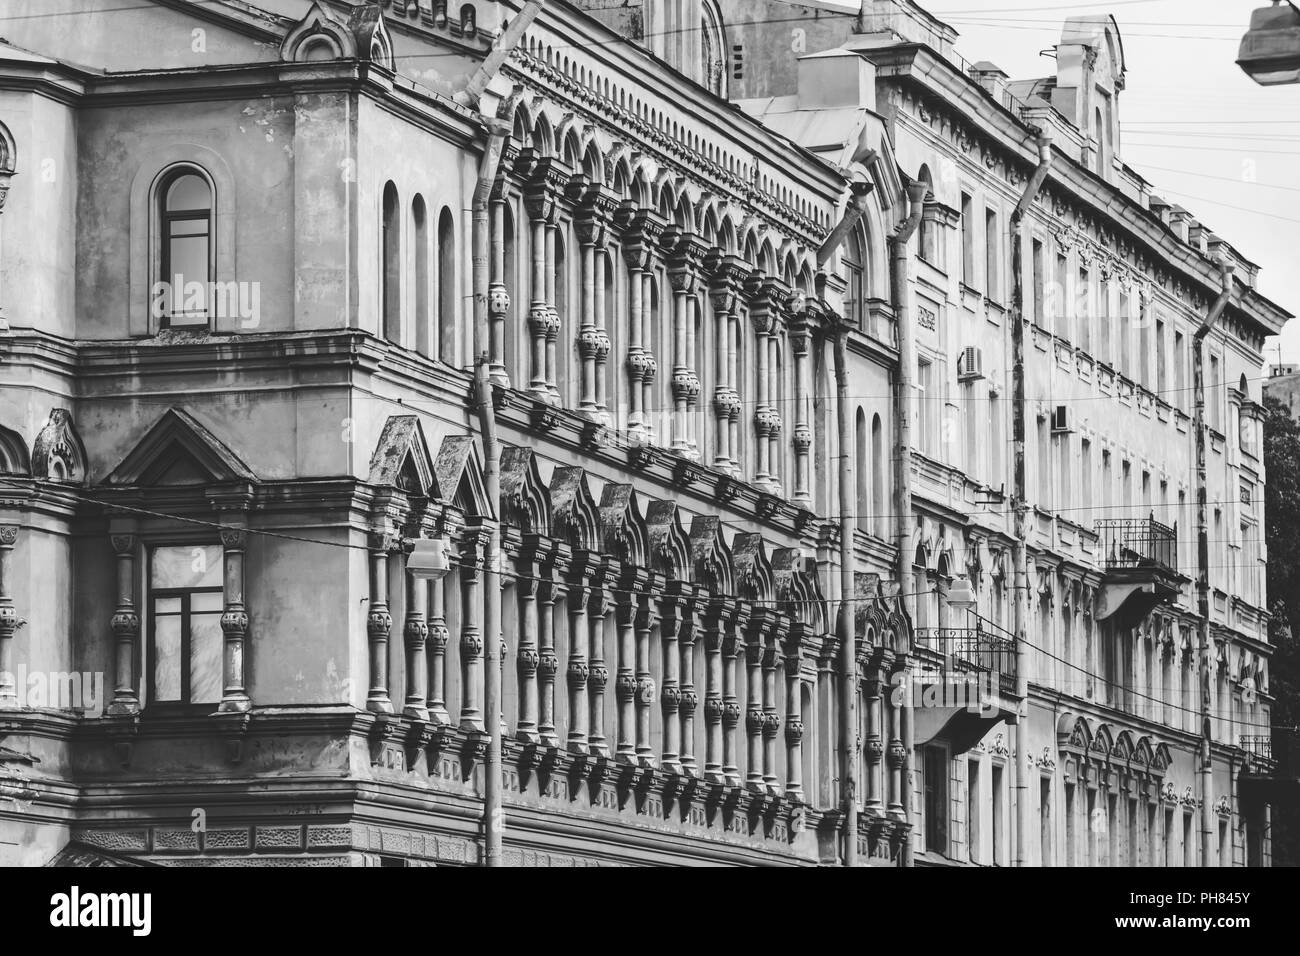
(970, 364)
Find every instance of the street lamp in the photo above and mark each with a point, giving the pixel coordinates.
(961, 594)
(1270, 50)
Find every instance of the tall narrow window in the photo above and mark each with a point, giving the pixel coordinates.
(973, 810)
(999, 809)
(1083, 310)
(391, 277)
(879, 483)
(996, 478)
(1214, 395)
(185, 638)
(928, 228)
(1060, 298)
(1104, 354)
(992, 256)
(1161, 382)
(855, 266)
(861, 475)
(1044, 465)
(447, 318)
(1180, 372)
(934, 775)
(1039, 281)
(967, 239)
(423, 251)
(186, 259)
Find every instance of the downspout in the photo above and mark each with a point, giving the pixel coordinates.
(1020, 551)
(904, 384)
(1206, 770)
(848, 716)
(481, 237)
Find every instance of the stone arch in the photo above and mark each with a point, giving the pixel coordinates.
(58, 453)
(670, 549)
(14, 459)
(574, 517)
(623, 529)
(525, 502)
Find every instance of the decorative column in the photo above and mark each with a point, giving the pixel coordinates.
(593, 340)
(234, 624)
(636, 254)
(717, 623)
(555, 322)
(772, 660)
(897, 756)
(690, 697)
(552, 591)
(9, 621)
(498, 295)
(755, 637)
(733, 648)
(578, 670)
(379, 623)
(672, 622)
(415, 638)
(762, 315)
(802, 437)
(598, 607)
(539, 201)
(528, 660)
(647, 616)
(125, 623)
(724, 291)
(736, 322)
(472, 549)
(630, 586)
(684, 274)
(794, 712)
(874, 748)
(439, 635)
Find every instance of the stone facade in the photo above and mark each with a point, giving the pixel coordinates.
(253, 507)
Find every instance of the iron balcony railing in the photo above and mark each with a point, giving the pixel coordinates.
(1277, 753)
(1138, 543)
(972, 651)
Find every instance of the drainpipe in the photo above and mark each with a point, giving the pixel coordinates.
(848, 709)
(481, 237)
(1206, 770)
(502, 47)
(1020, 552)
(904, 383)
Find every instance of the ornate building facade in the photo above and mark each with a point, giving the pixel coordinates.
(1143, 737)
(353, 351)
(262, 540)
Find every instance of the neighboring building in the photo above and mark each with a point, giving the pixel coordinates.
(1116, 284)
(212, 486)
(1283, 383)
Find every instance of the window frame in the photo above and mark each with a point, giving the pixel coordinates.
(149, 648)
(164, 219)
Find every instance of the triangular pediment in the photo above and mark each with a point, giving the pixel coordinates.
(458, 477)
(179, 450)
(401, 457)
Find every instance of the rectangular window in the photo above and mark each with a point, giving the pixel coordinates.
(1161, 382)
(185, 638)
(1064, 468)
(1045, 823)
(1189, 844)
(1107, 481)
(996, 479)
(1104, 354)
(934, 773)
(970, 406)
(973, 810)
(1060, 298)
(1169, 838)
(1083, 310)
(967, 239)
(1085, 470)
(1069, 825)
(992, 248)
(928, 399)
(1044, 465)
(1039, 281)
(1180, 372)
(1152, 835)
(999, 807)
(1214, 395)
(1132, 826)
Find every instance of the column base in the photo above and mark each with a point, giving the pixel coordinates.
(378, 705)
(235, 704)
(125, 707)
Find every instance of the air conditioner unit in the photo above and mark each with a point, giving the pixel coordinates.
(1062, 420)
(970, 364)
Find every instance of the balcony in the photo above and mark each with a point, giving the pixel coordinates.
(1140, 561)
(963, 683)
(1271, 772)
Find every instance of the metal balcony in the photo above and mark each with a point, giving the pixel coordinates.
(1140, 560)
(964, 682)
(1271, 771)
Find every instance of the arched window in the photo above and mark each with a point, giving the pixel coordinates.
(186, 254)
(423, 252)
(860, 473)
(879, 482)
(391, 276)
(855, 264)
(1099, 130)
(713, 63)
(928, 230)
(446, 287)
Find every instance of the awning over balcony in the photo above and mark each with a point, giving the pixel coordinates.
(963, 684)
(1141, 561)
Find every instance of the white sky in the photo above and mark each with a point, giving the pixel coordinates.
(1187, 107)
